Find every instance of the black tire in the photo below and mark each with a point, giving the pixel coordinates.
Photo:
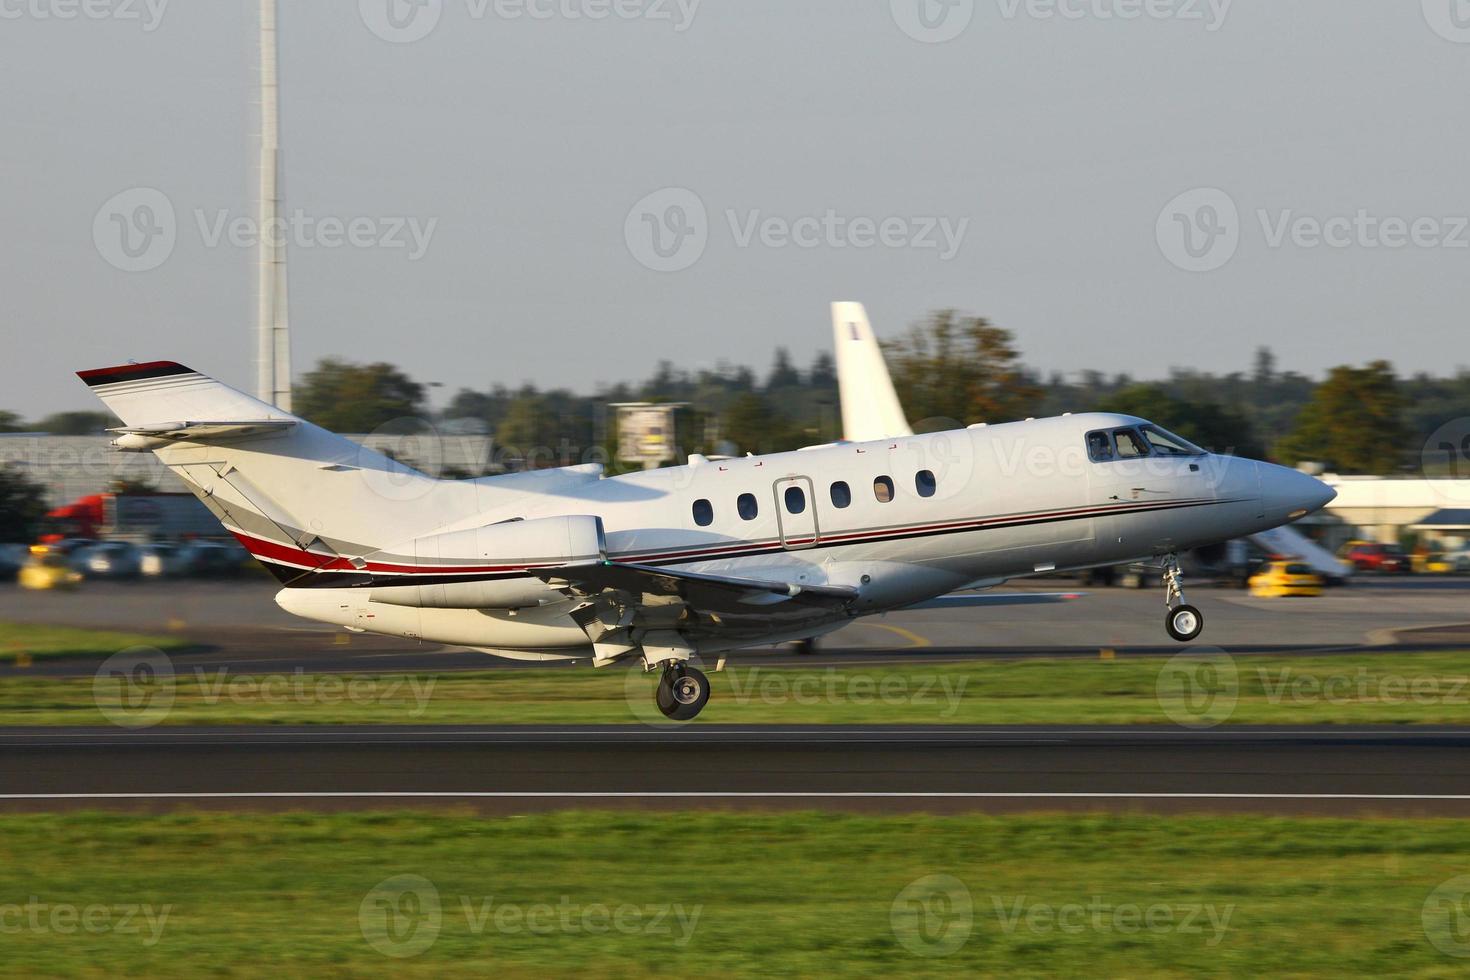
(1184, 623)
(682, 693)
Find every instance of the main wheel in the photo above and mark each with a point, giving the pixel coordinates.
(1184, 623)
(683, 692)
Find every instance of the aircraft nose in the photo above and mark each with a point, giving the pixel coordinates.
(1288, 494)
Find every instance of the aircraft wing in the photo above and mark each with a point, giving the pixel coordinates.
(647, 585)
(970, 600)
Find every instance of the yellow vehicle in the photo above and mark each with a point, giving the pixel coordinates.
(1286, 578)
(47, 569)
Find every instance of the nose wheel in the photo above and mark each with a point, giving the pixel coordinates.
(1183, 621)
(683, 691)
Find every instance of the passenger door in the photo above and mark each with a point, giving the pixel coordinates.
(796, 512)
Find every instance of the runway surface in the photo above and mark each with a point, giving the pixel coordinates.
(237, 626)
(1341, 771)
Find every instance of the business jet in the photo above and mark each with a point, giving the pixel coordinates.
(667, 565)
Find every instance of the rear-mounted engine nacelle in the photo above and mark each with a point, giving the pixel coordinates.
(485, 567)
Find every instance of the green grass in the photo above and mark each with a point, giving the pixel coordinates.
(760, 894)
(19, 641)
(1390, 688)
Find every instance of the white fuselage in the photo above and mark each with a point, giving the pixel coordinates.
(966, 509)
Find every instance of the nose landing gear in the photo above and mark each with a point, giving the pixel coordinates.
(1183, 621)
(683, 691)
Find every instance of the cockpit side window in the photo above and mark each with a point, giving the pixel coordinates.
(1099, 447)
(1168, 444)
(1130, 443)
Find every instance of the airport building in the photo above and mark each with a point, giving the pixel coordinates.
(70, 467)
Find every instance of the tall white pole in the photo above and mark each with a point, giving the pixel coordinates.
(274, 333)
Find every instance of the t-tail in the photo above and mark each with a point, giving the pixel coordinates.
(301, 499)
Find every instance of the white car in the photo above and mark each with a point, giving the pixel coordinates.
(109, 559)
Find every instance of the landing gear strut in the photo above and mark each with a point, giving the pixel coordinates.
(683, 691)
(1183, 621)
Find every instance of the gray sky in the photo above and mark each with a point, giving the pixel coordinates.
(1051, 133)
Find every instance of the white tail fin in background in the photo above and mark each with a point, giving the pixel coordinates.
(870, 406)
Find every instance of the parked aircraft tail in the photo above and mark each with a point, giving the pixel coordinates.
(870, 407)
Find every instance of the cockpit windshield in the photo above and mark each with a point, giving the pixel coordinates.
(1168, 444)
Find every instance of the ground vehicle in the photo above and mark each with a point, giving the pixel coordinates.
(47, 569)
(12, 557)
(106, 559)
(1286, 578)
(157, 560)
(1370, 556)
(131, 516)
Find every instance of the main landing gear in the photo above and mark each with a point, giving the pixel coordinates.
(683, 691)
(1183, 621)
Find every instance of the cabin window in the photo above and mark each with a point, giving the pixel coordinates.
(704, 513)
(747, 507)
(841, 495)
(795, 500)
(883, 489)
(925, 483)
(1130, 443)
(1099, 447)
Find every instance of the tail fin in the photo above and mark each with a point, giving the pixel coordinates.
(297, 496)
(870, 406)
